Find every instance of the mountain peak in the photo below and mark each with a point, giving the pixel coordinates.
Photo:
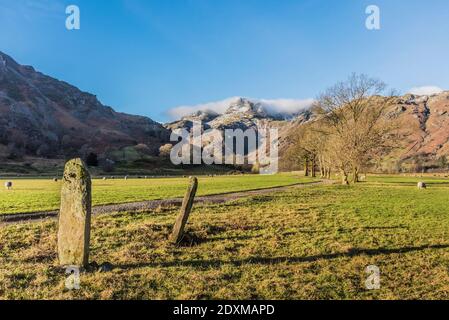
(246, 106)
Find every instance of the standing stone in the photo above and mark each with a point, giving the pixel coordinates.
(74, 216)
(187, 203)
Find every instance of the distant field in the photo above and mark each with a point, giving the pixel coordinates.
(407, 180)
(43, 195)
(306, 243)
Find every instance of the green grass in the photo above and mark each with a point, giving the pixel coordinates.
(307, 243)
(43, 195)
(410, 180)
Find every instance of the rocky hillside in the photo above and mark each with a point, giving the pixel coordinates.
(41, 116)
(424, 123)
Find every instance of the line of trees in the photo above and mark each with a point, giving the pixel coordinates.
(351, 129)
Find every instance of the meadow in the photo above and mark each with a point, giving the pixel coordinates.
(304, 243)
(32, 195)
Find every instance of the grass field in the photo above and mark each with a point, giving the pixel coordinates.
(408, 180)
(307, 243)
(43, 194)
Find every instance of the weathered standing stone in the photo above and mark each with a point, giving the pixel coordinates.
(74, 215)
(187, 203)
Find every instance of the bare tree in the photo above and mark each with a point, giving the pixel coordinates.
(355, 114)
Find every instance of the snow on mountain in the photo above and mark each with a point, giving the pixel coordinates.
(241, 113)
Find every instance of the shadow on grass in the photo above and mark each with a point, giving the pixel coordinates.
(191, 240)
(234, 238)
(279, 260)
(353, 229)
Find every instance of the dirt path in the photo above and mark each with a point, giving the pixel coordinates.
(153, 204)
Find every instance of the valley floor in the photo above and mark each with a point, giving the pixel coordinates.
(304, 243)
(37, 195)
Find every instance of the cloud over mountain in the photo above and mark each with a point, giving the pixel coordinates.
(271, 106)
(425, 90)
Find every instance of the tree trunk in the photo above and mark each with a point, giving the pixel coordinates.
(322, 172)
(313, 168)
(306, 167)
(355, 175)
(344, 178)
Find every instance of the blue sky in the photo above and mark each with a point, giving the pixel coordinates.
(149, 56)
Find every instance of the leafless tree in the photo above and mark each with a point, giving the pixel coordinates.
(354, 112)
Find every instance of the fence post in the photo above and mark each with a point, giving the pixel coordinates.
(187, 203)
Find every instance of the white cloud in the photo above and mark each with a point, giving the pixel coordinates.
(271, 106)
(425, 90)
(217, 107)
(284, 106)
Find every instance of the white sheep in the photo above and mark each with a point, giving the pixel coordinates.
(422, 185)
(8, 185)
